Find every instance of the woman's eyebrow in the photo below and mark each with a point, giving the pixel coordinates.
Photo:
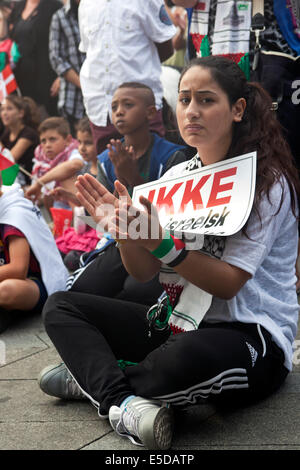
(198, 91)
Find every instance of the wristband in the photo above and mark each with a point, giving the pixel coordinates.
(171, 251)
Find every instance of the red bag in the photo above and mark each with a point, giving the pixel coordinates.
(62, 219)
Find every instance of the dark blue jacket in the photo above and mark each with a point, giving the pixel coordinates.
(162, 150)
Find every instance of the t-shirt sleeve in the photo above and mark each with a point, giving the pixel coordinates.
(29, 134)
(75, 155)
(156, 21)
(9, 230)
(248, 250)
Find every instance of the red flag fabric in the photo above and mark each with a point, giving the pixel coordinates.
(5, 162)
(8, 82)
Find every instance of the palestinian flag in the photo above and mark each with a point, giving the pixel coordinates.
(9, 170)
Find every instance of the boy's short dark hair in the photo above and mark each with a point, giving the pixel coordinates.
(148, 95)
(58, 124)
(83, 125)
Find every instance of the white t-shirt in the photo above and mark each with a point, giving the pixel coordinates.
(268, 253)
(118, 38)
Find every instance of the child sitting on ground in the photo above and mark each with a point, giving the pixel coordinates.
(80, 238)
(20, 118)
(140, 157)
(57, 160)
(31, 267)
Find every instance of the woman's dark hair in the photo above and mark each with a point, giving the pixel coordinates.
(28, 105)
(259, 129)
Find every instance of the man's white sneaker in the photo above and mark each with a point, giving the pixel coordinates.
(144, 422)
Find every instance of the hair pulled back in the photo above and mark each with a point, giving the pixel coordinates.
(259, 129)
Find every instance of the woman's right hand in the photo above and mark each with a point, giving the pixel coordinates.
(97, 200)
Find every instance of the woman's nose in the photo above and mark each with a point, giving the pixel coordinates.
(192, 110)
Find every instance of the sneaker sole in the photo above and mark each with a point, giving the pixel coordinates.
(156, 432)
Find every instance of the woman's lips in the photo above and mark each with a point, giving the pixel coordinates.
(193, 127)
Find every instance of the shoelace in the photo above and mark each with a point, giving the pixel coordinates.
(131, 415)
(129, 421)
(72, 387)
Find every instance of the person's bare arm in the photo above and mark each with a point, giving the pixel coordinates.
(72, 77)
(19, 254)
(212, 275)
(20, 148)
(61, 172)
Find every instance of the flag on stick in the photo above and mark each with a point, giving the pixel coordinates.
(8, 82)
(9, 170)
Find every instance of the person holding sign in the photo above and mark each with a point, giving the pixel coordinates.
(235, 295)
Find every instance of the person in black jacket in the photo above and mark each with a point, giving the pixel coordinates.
(29, 28)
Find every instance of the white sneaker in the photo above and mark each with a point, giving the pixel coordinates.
(144, 422)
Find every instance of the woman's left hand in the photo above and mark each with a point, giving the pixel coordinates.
(140, 227)
(118, 216)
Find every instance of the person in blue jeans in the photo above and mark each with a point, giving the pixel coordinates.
(134, 364)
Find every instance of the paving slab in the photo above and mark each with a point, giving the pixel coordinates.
(47, 435)
(30, 366)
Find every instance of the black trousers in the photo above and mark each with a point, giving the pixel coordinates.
(107, 276)
(231, 362)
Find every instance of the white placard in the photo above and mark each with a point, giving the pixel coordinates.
(215, 199)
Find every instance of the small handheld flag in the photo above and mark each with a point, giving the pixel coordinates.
(9, 170)
(8, 82)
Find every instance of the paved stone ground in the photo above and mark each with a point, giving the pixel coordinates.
(31, 420)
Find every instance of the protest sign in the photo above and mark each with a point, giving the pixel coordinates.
(214, 200)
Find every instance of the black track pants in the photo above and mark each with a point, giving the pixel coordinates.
(107, 276)
(224, 361)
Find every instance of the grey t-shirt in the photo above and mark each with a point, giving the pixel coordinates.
(269, 254)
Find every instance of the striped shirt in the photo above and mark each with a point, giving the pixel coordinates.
(64, 55)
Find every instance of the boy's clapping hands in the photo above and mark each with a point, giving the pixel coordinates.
(125, 163)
